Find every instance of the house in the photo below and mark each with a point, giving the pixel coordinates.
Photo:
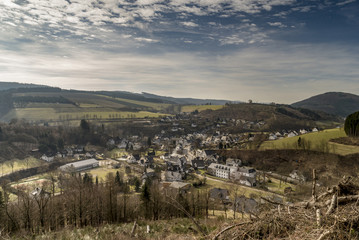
(176, 187)
(198, 163)
(245, 176)
(39, 192)
(131, 159)
(149, 173)
(292, 134)
(219, 194)
(247, 181)
(221, 171)
(233, 162)
(171, 176)
(246, 205)
(303, 131)
(79, 149)
(47, 158)
(272, 137)
(80, 165)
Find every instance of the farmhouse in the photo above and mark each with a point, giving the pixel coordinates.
(80, 165)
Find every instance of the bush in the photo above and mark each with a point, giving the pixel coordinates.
(351, 125)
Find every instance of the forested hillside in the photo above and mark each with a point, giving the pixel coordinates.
(337, 103)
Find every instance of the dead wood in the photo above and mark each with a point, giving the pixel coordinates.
(133, 228)
(332, 205)
(230, 227)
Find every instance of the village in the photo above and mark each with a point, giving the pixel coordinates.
(178, 164)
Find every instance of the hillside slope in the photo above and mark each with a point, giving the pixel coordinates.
(12, 85)
(337, 103)
(275, 116)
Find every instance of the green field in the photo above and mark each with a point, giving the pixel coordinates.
(199, 108)
(317, 141)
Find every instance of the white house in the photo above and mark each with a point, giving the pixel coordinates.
(221, 171)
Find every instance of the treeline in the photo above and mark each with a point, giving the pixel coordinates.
(84, 201)
(6, 102)
(47, 139)
(132, 96)
(39, 99)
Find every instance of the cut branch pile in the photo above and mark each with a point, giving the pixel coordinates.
(333, 214)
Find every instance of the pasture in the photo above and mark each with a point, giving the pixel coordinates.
(317, 141)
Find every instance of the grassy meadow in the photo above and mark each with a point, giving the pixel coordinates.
(317, 141)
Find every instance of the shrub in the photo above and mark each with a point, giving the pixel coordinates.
(351, 125)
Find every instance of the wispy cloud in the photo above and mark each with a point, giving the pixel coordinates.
(189, 24)
(345, 2)
(277, 24)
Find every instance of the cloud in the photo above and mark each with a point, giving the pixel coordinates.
(189, 24)
(345, 2)
(265, 74)
(148, 40)
(277, 24)
(234, 39)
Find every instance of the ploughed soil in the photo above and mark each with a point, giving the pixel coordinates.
(346, 141)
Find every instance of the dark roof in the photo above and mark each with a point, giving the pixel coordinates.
(210, 152)
(198, 163)
(247, 205)
(219, 193)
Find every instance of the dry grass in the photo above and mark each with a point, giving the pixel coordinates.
(300, 221)
(6, 167)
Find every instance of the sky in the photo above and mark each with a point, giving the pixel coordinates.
(278, 51)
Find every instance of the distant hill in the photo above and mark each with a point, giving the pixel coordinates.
(337, 103)
(12, 85)
(275, 116)
(39, 104)
(186, 101)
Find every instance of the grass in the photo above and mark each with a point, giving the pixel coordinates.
(62, 114)
(278, 186)
(6, 167)
(318, 141)
(86, 106)
(240, 189)
(155, 106)
(178, 228)
(199, 108)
